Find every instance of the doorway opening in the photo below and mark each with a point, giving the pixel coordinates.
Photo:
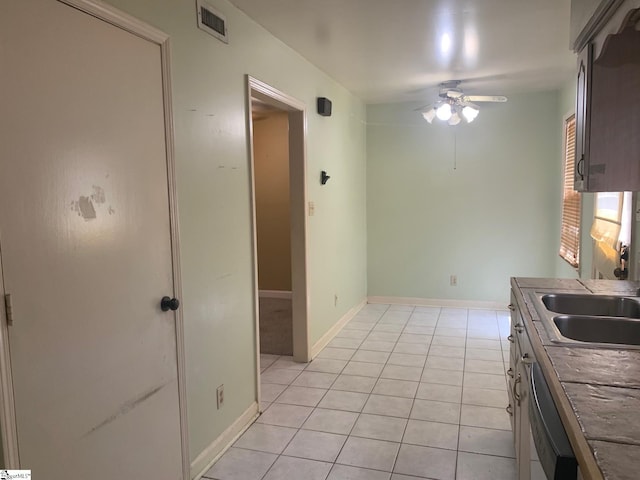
(276, 124)
(273, 227)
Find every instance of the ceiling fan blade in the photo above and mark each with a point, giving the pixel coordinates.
(486, 98)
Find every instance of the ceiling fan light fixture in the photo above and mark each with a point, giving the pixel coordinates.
(455, 118)
(429, 114)
(470, 113)
(444, 112)
(455, 105)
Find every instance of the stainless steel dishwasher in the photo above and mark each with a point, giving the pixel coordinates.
(552, 457)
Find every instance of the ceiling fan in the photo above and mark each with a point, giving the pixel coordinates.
(455, 106)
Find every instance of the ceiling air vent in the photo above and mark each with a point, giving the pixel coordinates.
(212, 21)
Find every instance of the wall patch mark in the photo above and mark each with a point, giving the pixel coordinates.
(85, 206)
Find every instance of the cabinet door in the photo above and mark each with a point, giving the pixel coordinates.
(614, 115)
(515, 390)
(583, 101)
(513, 407)
(523, 445)
(517, 376)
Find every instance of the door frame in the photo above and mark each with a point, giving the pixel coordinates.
(298, 200)
(8, 426)
(136, 27)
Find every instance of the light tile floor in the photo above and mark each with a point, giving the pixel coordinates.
(400, 393)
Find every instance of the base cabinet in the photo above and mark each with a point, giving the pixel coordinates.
(518, 398)
(521, 358)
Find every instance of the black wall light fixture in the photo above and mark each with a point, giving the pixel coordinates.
(324, 106)
(324, 178)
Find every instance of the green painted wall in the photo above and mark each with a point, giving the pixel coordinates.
(212, 163)
(480, 201)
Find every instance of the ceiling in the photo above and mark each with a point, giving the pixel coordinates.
(400, 50)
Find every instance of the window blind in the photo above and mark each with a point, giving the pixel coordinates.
(570, 231)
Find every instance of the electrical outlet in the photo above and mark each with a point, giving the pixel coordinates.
(453, 280)
(312, 209)
(220, 396)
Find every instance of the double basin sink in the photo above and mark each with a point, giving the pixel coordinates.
(595, 320)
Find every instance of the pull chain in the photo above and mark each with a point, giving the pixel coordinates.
(455, 150)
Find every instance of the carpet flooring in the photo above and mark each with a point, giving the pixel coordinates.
(276, 329)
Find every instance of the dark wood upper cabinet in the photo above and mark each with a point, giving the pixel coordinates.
(608, 108)
(614, 144)
(583, 91)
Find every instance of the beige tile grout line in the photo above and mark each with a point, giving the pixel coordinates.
(368, 395)
(378, 378)
(464, 362)
(314, 408)
(413, 400)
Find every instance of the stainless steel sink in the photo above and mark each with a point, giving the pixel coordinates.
(602, 321)
(600, 305)
(584, 328)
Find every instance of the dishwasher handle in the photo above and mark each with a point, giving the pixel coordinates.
(551, 441)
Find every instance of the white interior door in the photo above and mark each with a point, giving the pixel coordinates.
(86, 245)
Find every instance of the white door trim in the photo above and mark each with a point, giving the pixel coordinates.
(132, 25)
(298, 195)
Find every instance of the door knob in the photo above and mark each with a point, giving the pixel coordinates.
(169, 304)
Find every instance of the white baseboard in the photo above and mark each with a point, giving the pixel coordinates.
(434, 302)
(275, 294)
(214, 451)
(333, 331)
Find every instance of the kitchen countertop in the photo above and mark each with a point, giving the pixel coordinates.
(601, 385)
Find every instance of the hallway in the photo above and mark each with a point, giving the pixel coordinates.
(400, 393)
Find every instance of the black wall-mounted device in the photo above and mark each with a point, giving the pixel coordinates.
(324, 178)
(324, 106)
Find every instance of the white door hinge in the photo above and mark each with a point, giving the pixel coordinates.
(8, 308)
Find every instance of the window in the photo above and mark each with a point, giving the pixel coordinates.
(611, 231)
(570, 230)
(607, 221)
